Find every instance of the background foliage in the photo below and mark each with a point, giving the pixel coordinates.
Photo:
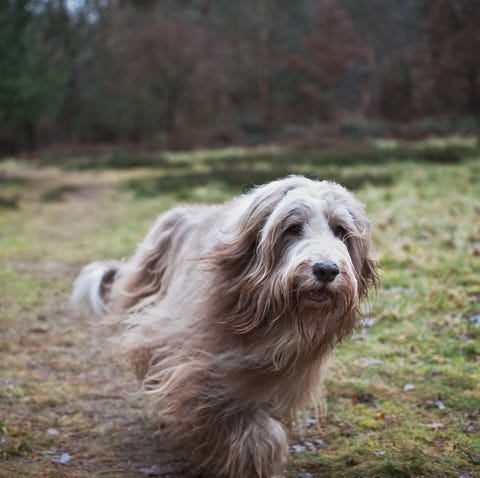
(178, 74)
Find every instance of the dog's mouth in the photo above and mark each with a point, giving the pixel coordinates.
(318, 295)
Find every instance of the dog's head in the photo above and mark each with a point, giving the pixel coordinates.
(296, 249)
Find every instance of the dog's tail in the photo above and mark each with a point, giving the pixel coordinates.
(91, 289)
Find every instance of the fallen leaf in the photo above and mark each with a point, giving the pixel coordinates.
(311, 422)
(353, 462)
(52, 451)
(63, 459)
(436, 425)
(474, 319)
(472, 427)
(436, 404)
(310, 446)
(363, 398)
(474, 414)
(297, 448)
(370, 361)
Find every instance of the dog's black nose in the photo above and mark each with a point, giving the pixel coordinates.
(325, 271)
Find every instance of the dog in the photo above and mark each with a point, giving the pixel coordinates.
(229, 315)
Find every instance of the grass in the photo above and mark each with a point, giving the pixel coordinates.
(403, 396)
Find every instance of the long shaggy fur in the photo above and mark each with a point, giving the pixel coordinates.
(227, 324)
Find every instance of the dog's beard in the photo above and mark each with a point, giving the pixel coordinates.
(288, 319)
(319, 300)
(321, 313)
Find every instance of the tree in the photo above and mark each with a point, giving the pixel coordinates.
(451, 59)
(30, 86)
(328, 50)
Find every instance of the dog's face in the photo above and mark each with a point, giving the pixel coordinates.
(296, 247)
(309, 241)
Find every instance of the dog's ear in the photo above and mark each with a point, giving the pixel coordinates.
(241, 234)
(360, 244)
(369, 276)
(241, 263)
(362, 253)
(146, 275)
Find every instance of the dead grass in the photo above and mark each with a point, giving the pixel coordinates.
(403, 396)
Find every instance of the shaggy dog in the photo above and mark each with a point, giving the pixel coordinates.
(229, 314)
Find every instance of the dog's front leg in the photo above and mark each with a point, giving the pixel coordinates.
(248, 443)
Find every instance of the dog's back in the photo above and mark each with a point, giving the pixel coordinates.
(113, 287)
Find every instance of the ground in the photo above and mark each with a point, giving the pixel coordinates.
(403, 396)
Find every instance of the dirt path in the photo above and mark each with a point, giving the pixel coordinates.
(66, 407)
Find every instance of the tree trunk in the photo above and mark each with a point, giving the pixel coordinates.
(30, 136)
(264, 79)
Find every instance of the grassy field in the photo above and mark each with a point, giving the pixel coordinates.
(403, 397)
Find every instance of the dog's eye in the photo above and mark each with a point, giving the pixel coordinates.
(294, 229)
(340, 232)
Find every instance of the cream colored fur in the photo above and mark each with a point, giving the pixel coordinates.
(225, 323)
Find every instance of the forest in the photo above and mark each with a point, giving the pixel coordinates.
(181, 74)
